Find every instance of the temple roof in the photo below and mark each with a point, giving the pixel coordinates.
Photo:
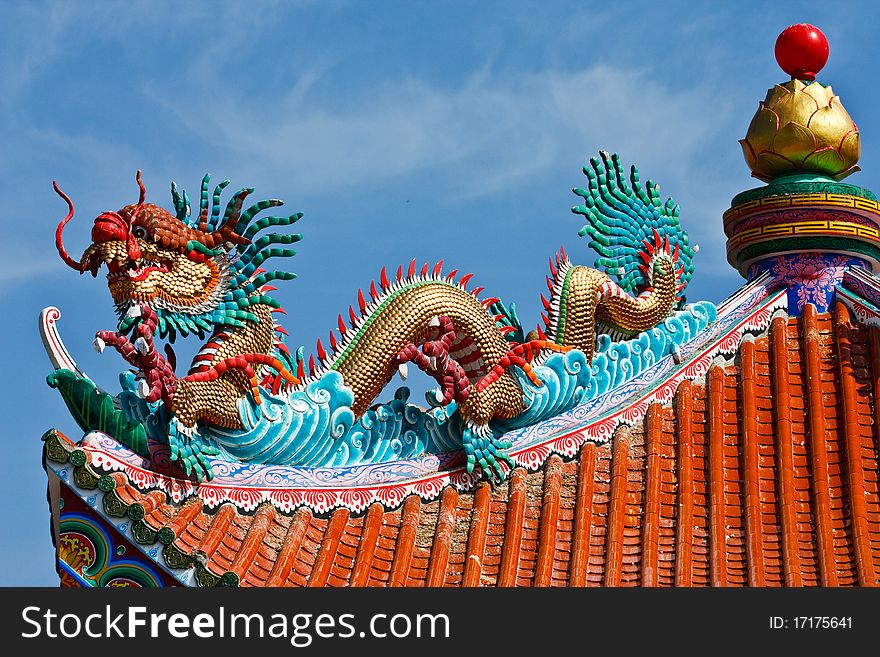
(670, 445)
(762, 473)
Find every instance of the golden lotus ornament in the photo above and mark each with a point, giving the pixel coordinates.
(801, 128)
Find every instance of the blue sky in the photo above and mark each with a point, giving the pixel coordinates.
(435, 130)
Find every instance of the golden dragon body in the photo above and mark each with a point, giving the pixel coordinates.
(173, 275)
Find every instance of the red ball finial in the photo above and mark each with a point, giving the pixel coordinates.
(801, 51)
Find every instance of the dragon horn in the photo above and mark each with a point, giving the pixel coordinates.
(59, 244)
(131, 245)
(143, 190)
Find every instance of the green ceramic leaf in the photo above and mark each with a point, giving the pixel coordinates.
(94, 410)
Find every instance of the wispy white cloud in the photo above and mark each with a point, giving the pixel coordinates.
(38, 34)
(486, 133)
(22, 56)
(471, 135)
(12, 272)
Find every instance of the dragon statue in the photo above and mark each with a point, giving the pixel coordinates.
(172, 275)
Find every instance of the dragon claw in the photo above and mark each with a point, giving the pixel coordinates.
(99, 345)
(186, 448)
(489, 452)
(143, 388)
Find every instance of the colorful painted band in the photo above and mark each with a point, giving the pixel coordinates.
(863, 206)
(745, 257)
(777, 230)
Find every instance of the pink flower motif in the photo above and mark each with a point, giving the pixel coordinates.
(813, 276)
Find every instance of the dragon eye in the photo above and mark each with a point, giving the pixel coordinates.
(139, 232)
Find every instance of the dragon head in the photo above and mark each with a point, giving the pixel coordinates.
(194, 272)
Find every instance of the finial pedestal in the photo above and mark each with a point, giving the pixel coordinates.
(805, 227)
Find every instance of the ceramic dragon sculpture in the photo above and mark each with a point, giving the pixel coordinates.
(172, 275)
